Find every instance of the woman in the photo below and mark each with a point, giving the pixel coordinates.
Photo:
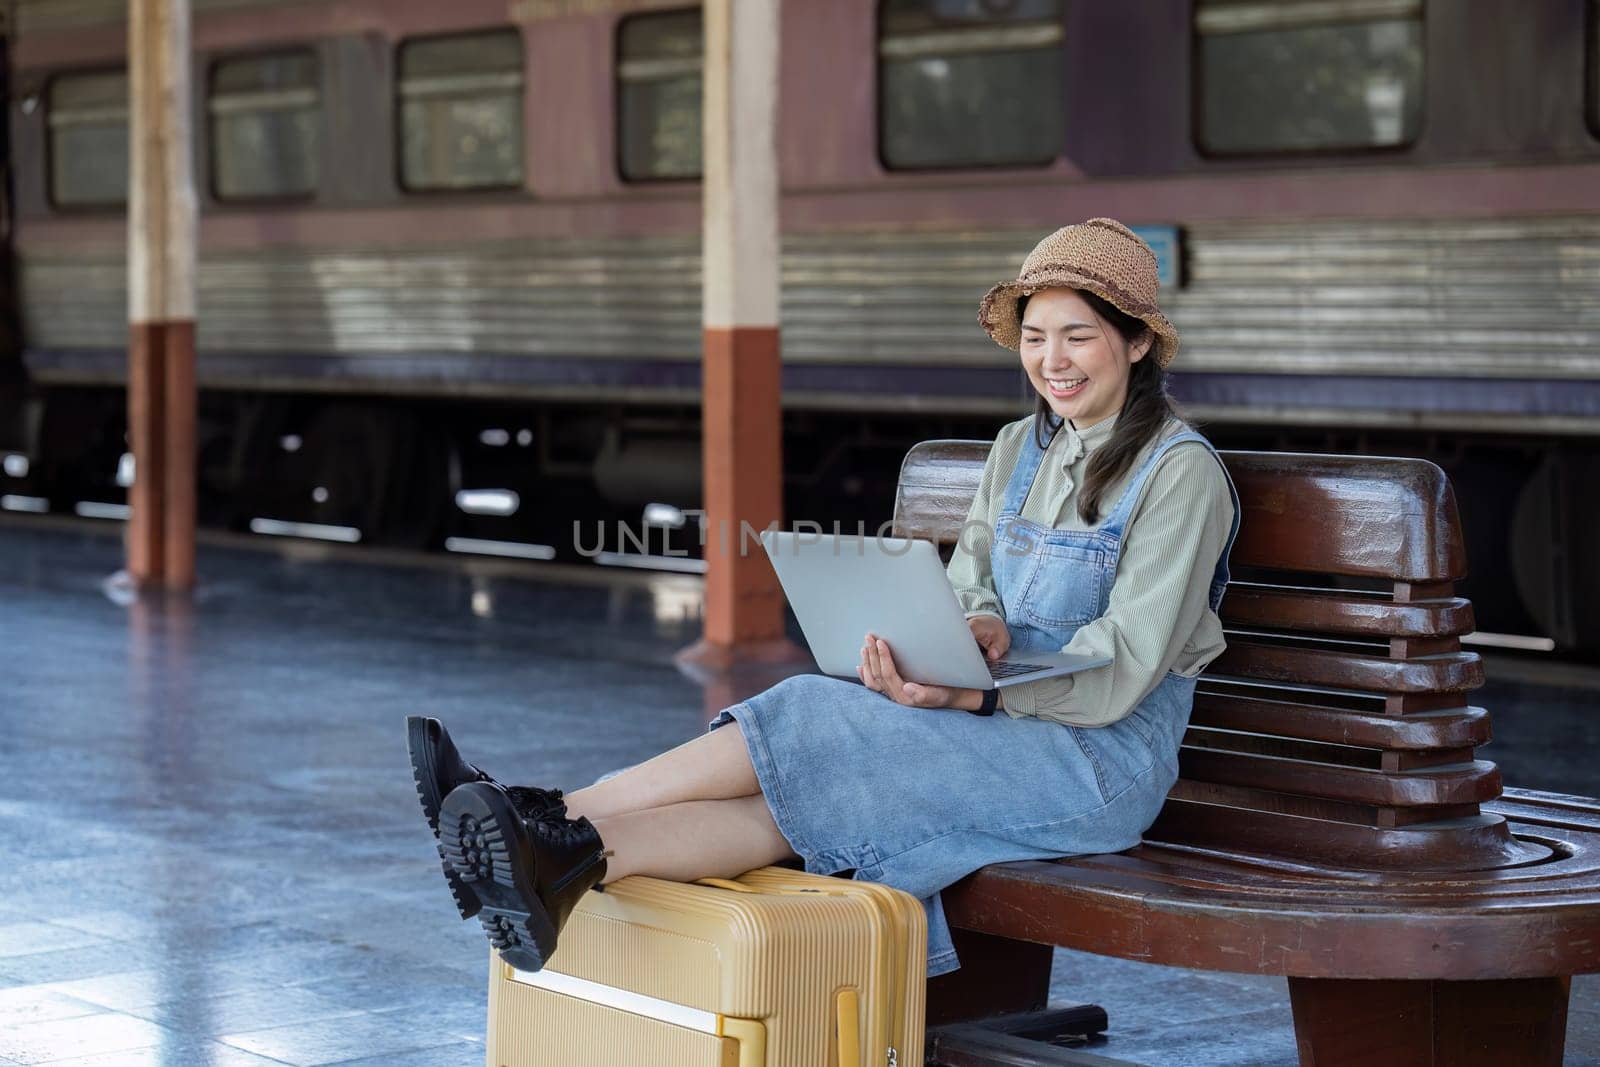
(1101, 526)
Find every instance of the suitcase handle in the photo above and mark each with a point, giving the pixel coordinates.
(846, 1004)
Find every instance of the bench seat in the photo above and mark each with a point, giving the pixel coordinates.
(1228, 910)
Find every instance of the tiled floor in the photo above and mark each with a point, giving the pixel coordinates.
(209, 847)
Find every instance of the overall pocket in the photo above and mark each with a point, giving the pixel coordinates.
(1139, 724)
(1081, 734)
(1065, 585)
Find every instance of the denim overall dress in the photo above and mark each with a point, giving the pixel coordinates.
(919, 798)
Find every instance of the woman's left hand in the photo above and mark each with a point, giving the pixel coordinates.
(878, 673)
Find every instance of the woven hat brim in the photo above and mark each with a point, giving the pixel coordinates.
(998, 313)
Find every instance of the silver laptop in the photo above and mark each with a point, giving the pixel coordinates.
(843, 587)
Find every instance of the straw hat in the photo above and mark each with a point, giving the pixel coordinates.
(1102, 256)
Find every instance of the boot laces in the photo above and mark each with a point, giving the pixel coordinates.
(569, 831)
(533, 803)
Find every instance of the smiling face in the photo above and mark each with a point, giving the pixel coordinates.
(1075, 359)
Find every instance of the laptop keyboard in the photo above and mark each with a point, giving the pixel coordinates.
(1011, 670)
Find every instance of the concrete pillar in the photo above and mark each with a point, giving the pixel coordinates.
(161, 296)
(742, 411)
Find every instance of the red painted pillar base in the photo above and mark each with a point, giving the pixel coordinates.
(743, 463)
(161, 435)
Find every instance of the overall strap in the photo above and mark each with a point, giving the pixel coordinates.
(1220, 577)
(1117, 521)
(1023, 474)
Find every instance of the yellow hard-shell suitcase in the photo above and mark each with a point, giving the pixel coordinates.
(775, 969)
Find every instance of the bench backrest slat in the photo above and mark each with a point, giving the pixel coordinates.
(1357, 516)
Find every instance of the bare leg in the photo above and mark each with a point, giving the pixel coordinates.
(714, 766)
(697, 839)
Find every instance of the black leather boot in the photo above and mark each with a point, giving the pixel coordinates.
(528, 870)
(437, 768)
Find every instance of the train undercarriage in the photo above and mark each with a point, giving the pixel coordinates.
(617, 483)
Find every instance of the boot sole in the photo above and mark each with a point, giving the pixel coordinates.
(483, 841)
(425, 774)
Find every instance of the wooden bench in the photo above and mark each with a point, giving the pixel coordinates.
(1333, 822)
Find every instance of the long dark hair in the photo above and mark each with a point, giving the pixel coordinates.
(1144, 412)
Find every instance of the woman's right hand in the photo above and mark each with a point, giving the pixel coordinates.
(991, 634)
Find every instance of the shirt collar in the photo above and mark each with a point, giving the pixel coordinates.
(1074, 444)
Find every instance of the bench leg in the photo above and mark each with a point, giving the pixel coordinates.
(998, 976)
(1376, 1023)
(991, 1013)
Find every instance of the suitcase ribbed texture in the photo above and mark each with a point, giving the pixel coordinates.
(795, 969)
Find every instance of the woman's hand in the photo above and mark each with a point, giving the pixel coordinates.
(878, 673)
(991, 634)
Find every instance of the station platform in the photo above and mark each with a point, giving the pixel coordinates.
(210, 848)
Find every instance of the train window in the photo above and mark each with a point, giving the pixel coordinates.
(1297, 75)
(265, 117)
(965, 83)
(658, 95)
(461, 111)
(88, 153)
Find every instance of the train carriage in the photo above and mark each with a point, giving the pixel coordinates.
(448, 249)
